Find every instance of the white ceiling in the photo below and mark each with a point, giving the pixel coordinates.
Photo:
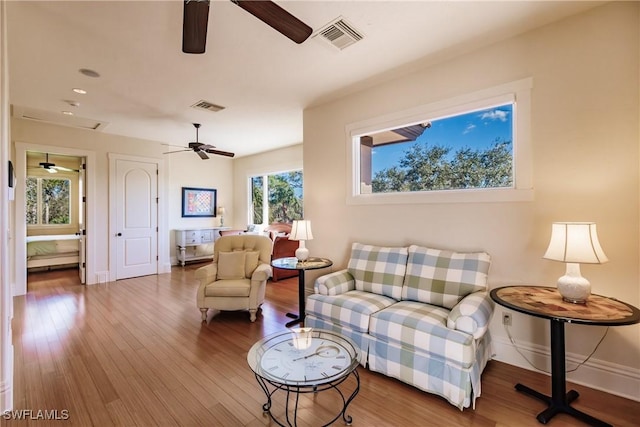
(264, 80)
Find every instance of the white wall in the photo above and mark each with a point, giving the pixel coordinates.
(585, 133)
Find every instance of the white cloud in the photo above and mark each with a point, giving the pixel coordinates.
(495, 115)
(469, 128)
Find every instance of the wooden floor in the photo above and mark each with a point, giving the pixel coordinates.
(134, 353)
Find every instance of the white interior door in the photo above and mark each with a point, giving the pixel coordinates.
(82, 194)
(136, 231)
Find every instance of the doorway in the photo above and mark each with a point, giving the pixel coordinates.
(55, 213)
(86, 175)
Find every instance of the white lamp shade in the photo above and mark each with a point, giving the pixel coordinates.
(575, 242)
(221, 211)
(301, 230)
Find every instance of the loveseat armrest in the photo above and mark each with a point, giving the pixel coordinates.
(472, 314)
(335, 283)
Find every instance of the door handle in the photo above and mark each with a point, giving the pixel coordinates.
(119, 234)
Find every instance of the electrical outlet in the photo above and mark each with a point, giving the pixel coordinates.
(506, 319)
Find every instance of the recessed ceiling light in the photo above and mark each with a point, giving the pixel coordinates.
(67, 113)
(80, 91)
(89, 73)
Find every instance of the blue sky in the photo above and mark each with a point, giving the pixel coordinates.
(478, 129)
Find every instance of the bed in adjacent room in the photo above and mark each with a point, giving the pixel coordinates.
(52, 250)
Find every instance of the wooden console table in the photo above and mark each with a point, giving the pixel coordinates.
(547, 303)
(196, 243)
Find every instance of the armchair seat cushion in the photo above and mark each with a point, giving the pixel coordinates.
(420, 327)
(228, 288)
(351, 309)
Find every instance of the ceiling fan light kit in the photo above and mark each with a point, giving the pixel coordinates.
(52, 168)
(196, 17)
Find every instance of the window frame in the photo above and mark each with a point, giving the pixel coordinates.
(265, 193)
(518, 92)
(39, 203)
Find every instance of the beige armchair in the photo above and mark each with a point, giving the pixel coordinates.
(237, 277)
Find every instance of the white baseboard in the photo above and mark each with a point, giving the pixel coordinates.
(101, 277)
(165, 268)
(609, 377)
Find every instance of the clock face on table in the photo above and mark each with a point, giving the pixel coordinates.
(323, 359)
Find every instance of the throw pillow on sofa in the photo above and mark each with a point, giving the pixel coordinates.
(377, 269)
(443, 278)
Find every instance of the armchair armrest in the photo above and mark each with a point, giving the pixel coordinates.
(261, 273)
(335, 283)
(472, 314)
(205, 275)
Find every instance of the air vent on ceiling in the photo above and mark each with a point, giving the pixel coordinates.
(340, 33)
(206, 105)
(57, 118)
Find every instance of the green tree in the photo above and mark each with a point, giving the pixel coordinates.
(257, 202)
(55, 199)
(32, 200)
(285, 197)
(428, 168)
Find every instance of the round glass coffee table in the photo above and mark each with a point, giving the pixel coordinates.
(304, 360)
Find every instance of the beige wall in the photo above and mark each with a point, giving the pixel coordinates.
(585, 133)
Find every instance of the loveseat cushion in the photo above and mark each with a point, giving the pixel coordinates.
(443, 278)
(420, 327)
(379, 270)
(351, 309)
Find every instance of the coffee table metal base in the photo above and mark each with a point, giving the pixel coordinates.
(292, 393)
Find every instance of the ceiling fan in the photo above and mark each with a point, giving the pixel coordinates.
(196, 16)
(202, 149)
(52, 168)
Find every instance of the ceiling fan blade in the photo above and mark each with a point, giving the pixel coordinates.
(177, 151)
(220, 153)
(194, 26)
(64, 169)
(202, 155)
(277, 18)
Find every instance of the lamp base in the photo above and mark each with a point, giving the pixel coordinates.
(302, 254)
(573, 287)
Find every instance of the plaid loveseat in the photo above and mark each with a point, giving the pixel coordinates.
(420, 315)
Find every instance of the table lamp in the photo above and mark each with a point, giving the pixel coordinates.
(221, 212)
(301, 230)
(574, 243)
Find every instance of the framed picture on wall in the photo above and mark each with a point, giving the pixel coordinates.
(199, 202)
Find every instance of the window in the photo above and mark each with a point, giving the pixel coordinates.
(471, 148)
(48, 201)
(283, 193)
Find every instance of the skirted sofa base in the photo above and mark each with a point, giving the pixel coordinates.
(438, 349)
